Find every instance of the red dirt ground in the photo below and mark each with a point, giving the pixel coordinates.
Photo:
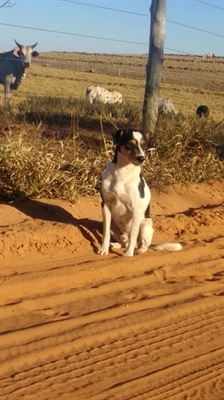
(75, 325)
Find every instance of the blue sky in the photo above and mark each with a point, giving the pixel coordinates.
(76, 19)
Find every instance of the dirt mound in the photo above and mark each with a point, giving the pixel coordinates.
(77, 325)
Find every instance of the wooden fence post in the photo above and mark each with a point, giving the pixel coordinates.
(154, 66)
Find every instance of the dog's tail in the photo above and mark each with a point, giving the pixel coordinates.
(167, 246)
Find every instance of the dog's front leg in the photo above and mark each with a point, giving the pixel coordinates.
(104, 248)
(133, 236)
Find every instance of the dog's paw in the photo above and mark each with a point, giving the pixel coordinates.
(141, 250)
(103, 250)
(128, 253)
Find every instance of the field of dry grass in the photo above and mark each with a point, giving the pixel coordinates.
(60, 161)
(55, 145)
(180, 70)
(189, 81)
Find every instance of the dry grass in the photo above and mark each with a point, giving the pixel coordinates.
(188, 80)
(53, 144)
(35, 160)
(177, 69)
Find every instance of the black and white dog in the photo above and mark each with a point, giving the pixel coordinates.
(126, 198)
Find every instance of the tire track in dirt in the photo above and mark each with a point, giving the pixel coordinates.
(126, 331)
(132, 359)
(79, 326)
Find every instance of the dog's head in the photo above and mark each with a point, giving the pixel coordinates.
(131, 144)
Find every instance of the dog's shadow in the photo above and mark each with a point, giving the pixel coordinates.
(90, 229)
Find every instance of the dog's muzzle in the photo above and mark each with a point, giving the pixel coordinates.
(139, 159)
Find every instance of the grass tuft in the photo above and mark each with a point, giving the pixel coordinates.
(58, 148)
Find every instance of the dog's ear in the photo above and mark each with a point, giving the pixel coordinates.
(117, 135)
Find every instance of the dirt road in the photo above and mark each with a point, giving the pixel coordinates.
(75, 325)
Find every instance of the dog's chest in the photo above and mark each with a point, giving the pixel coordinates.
(119, 184)
(120, 190)
(118, 187)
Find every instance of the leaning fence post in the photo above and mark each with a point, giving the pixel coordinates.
(154, 66)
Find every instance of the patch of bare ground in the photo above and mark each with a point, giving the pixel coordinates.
(77, 325)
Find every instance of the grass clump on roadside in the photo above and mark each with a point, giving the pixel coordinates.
(59, 110)
(53, 169)
(64, 157)
(186, 150)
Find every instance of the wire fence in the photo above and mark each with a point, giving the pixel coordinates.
(96, 68)
(176, 69)
(123, 71)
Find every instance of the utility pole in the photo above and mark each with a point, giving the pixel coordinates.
(154, 66)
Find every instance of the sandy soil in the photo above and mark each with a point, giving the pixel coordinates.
(75, 325)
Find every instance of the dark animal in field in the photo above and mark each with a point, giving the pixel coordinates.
(13, 65)
(202, 111)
